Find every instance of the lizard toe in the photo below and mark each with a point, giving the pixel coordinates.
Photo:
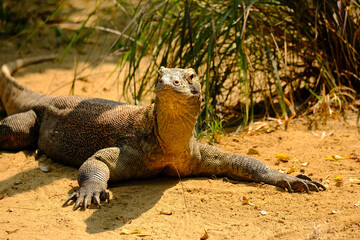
(97, 199)
(87, 201)
(77, 203)
(301, 185)
(304, 177)
(319, 185)
(89, 192)
(313, 186)
(285, 184)
(72, 197)
(105, 195)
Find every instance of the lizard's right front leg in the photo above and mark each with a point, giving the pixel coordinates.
(93, 176)
(112, 163)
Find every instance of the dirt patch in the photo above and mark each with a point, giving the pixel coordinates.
(165, 208)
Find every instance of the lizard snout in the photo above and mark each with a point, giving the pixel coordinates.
(167, 83)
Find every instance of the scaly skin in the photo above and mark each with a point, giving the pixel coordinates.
(112, 141)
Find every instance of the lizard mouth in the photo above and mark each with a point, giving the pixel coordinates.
(168, 89)
(163, 88)
(178, 93)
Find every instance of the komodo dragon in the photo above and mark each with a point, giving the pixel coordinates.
(112, 141)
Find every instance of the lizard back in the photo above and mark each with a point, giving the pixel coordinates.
(74, 128)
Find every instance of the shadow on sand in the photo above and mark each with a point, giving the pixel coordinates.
(129, 199)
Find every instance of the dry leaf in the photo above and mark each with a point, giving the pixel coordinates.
(355, 157)
(165, 213)
(205, 236)
(337, 158)
(338, 179)
(256, 126)
(260, 203)
(323, 134)
(2, 197)
(246, 201)
(136, 232)
(282, 157)
(10, 232)
(354, 180)
(253, 151)
(291, 170)
(325, 181)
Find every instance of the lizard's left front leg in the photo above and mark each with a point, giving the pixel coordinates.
(215, 162)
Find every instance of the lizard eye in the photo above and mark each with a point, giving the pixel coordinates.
(161, 70)
(191, 75)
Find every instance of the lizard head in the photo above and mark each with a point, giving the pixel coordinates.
(177, 107)
(182, 84)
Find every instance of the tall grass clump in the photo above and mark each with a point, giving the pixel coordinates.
(255, 58)
(277, 53)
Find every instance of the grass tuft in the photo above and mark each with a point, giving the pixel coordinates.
(256, 59)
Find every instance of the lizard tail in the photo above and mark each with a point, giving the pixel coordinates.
(12, 93)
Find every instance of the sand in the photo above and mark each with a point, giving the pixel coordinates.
(191, 208)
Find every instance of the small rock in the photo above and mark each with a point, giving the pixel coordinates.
(45, 168)
(263, 212)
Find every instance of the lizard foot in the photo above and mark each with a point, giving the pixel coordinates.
(300, 183)
(91, 191)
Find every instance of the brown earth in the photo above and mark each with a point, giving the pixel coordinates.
(166, 208)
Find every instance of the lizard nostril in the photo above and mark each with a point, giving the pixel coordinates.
(176, 82)
(160, 81)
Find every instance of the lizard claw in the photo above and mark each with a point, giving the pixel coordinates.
(285, 184)
(301, 183)
(89, 192)
(303, 176)
(314, 185)
(72, 197)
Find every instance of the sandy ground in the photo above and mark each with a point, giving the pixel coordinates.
(166, 208)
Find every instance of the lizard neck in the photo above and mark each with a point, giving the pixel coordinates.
(175, 121)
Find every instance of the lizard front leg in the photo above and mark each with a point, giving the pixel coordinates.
(114, 164)
(215, 162)
(92, 178)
